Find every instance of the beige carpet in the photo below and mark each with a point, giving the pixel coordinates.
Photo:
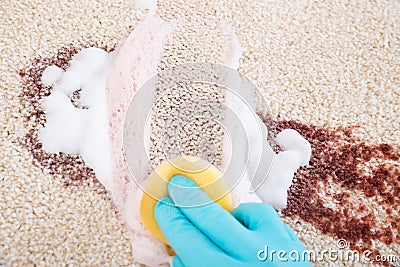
(322, 63)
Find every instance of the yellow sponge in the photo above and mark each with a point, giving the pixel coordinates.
(203, 173)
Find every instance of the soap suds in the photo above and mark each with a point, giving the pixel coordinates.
(71, 168)
(73, 130)
(135, 63)
(296, 153)
(51, 75)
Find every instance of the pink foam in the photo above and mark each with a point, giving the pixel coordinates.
(136, 61)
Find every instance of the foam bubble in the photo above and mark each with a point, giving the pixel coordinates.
(291, 140)
(63, 129)
(297, 153)
(51, 75)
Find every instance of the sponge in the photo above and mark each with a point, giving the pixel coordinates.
(203, 173)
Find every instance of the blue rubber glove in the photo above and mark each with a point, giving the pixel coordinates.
(207, 235)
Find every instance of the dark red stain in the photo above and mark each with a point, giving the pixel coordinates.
(338, 155)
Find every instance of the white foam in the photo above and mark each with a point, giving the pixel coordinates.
(51, 75)
(291, 140)
(74, 130)
(297, 153)
(63, 129)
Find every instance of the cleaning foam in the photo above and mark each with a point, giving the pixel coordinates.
(296, 153)
(79, 130)
(51, 75)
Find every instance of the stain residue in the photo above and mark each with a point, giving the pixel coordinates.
(337, 163)
(72, 168)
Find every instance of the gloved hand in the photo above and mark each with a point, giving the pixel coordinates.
(207, 235)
